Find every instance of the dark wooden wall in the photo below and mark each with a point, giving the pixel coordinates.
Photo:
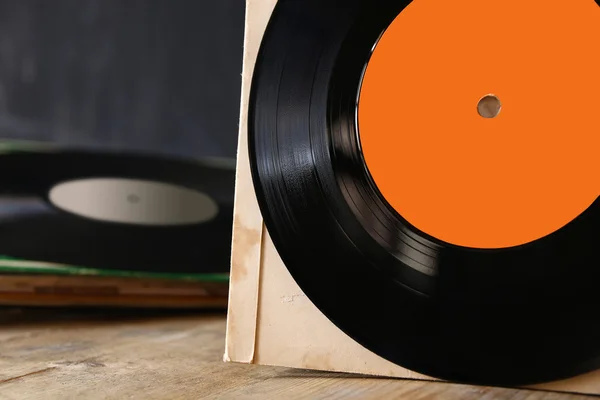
(147, 75)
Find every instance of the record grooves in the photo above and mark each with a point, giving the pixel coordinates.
(509, 316)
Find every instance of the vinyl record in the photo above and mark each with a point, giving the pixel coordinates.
(116, 211)
(348, 167)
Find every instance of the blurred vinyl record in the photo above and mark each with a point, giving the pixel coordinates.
(116, 211)
(452, 237)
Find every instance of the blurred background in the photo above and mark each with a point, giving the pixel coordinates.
(155, 76)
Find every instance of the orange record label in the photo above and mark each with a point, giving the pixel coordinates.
(479, 121)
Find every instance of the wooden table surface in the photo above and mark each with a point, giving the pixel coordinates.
(87, 354)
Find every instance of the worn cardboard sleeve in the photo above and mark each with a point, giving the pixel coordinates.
(270, 321)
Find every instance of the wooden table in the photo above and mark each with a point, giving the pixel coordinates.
(86, 354)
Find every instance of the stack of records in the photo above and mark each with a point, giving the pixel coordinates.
(31, 283)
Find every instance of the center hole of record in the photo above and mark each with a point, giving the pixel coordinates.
(489, 106)
(134, 199)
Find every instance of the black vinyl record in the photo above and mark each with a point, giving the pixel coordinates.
(32, 227)
(509, 316)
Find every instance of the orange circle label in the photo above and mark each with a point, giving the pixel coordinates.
(479, 121)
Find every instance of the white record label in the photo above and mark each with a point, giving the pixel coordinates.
(131, 201)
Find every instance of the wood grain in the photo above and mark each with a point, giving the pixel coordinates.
(92, 354)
